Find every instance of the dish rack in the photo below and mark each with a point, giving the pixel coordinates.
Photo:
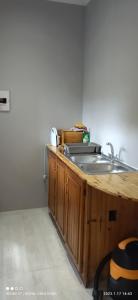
(82, 148)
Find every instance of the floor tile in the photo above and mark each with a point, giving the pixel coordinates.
(32, 257)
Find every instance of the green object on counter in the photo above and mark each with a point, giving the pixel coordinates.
(86, 137)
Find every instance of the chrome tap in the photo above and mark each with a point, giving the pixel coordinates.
(112, 151)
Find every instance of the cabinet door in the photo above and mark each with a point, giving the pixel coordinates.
(75, 209)
(121, 220)
(52, 183)
(60, 195)
(94, 240)
(108, 220)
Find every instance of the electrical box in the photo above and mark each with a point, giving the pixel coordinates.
(4, 100)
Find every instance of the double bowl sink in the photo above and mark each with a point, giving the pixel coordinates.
(98, 164)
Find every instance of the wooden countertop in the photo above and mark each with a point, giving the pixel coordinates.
(124, 185)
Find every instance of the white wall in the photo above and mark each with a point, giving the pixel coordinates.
(41, 57)
(110, 96)
(41, 64)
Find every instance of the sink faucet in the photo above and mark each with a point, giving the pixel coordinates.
(112, 150)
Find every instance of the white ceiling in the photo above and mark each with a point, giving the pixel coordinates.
(77, 2)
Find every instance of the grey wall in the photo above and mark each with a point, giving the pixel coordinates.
(41, 64)
(110, 106)
(41, 58)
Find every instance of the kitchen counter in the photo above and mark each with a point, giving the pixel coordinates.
(123, 185)
(84, 207)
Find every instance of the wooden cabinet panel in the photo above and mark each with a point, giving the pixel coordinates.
(74, 192)
(52, 182)
(75, 220)
(66, 203)
(108, 220)
(121, 220)
(60, 195)
(94, 234)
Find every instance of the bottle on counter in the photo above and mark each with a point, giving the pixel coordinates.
(86, 137)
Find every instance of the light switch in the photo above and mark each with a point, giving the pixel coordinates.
(4, 100)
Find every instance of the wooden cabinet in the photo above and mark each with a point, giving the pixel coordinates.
(108, 220)
(75, 196)
(66, 203)
(94, 235)
(91, 223)
(52, 166)
(60, 196)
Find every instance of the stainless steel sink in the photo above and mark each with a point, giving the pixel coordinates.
(98, 164)
(103, 168)
(88, 158)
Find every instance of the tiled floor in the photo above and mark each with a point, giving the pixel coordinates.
(33, 260)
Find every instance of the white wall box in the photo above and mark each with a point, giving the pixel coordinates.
(4, 100)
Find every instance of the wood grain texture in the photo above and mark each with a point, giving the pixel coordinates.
(60, 195)
(68, 136)
(102, 233)
(91, 220)
(75, 198)
(124, 185)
